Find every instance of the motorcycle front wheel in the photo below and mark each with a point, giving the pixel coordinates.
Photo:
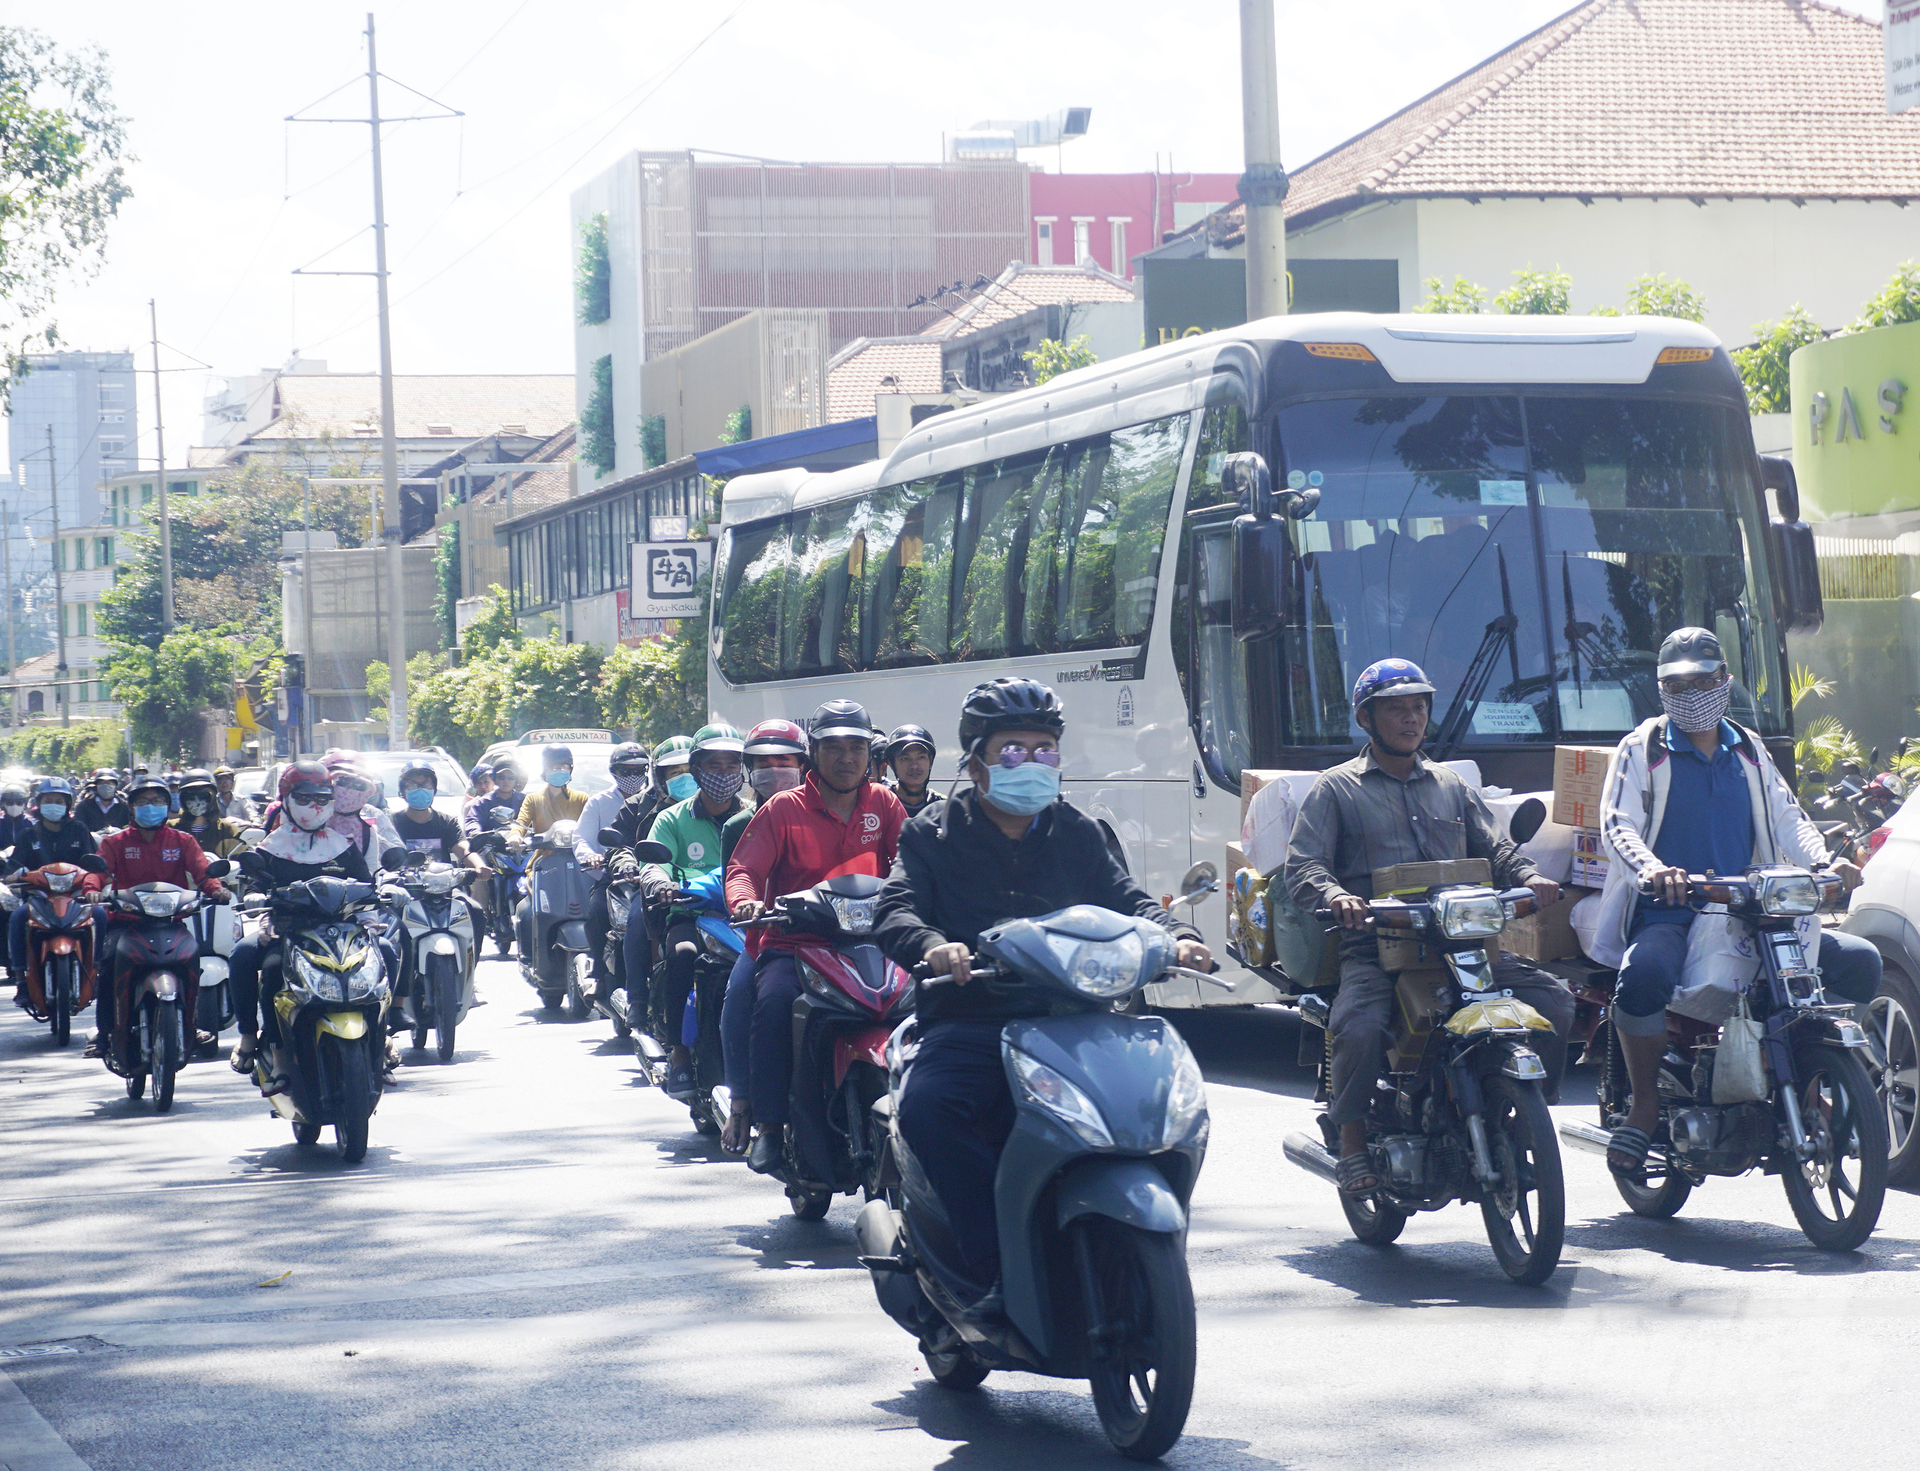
(60, 998)
(1138, 1303)
(1526, 1214)
(167, 1059)
(356, 1100)
(1661, 1190)
(444, 978)
(1836, 1195)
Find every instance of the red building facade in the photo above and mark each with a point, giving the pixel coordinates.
(1107, 219)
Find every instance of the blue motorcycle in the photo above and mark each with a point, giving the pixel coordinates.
(509, 885)
(700, 1021)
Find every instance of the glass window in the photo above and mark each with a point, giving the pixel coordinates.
(752, 580)
(1223, 431)
(910, 533)
(103, 551)
(1001, 500)
(1217, 693)
(825, 582)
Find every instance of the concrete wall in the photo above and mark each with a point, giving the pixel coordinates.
(772, 361)
(1872, 650)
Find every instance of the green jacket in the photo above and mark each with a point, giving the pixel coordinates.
(694, 838)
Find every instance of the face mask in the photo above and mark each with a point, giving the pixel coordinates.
(682, 787)
(14, 809)
(197, 806)
(560, 776)
(53, 811)
(310, 819)
(150, 814)
(346, 799)
(1024, 789)
(720, 786)
(770, 779)
(629, 782)
(418, 798)
(1698, 710)
(104, 791)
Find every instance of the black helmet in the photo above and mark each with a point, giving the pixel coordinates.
(840, 718)
(419, 768)
(628, 753)
(1009, 703)
(146, 784)
(197, 777)
(551, 756)
(910, 735)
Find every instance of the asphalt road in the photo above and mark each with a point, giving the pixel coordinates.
(541, 1264)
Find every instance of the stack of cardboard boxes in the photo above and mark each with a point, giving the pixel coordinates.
(1579, 772)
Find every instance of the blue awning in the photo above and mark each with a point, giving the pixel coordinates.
(829, 447)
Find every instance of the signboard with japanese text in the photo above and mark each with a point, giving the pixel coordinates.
(666, 578)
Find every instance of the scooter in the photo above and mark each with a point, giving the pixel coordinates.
(437, 950)
(619, 1005)
(558, 960)
(216, 928)
(852, 999)
(59, 978)
(157, 986)
(721, 946)
(1110, 1129)
(331, 1009)
(509, 885)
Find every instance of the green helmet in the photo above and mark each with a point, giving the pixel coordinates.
(674, 751)
(718, 737)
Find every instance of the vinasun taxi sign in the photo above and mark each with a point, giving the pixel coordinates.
(1856, 447)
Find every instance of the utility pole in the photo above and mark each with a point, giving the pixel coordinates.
(1264, 185)
(160, 459)
(389, 461)
(303, 739)
(59, 592)
(13, 663)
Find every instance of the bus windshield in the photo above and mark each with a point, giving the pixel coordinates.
(1529, 552)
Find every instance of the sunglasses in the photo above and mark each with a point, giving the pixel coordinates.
(1686, 684)
(1014, 754)
(351, 784)
(310, 799)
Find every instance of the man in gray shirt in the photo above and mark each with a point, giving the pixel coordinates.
(1389, 805)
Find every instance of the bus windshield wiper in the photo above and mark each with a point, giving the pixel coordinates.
(1453, 729)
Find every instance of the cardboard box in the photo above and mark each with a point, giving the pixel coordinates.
(1412, 880)
(1250, 782)
(1579, 773)
(1547, 934)
(1588, 872)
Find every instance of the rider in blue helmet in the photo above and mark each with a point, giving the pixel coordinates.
(1391, 805)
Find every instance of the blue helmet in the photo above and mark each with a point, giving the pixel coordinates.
(1388, 677)
(54, 786)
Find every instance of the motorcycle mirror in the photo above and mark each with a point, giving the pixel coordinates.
(252, 835)
(1201, 880)
(93, 863)
(610, 837)
(393, 857)
(415, 859)
(1528, 818)
(649, 851)
(219, 868)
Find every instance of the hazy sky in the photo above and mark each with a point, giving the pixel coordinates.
(228, 199)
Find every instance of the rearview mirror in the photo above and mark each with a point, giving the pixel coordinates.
(611, 837)
(1796, 568)
(92, 863)
(219, 868)
(649, 851)
(1527, 820)
(393, 857)
(1262, 556)
(1201, 880)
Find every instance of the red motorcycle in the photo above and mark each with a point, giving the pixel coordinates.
(852, 999)
(60, 948)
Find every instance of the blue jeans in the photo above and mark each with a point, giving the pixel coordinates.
(17, 937)
(736, 1029)
(1650, 973)
(776, 988)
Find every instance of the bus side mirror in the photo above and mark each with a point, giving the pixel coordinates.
(1260, 543)
(1796, 567)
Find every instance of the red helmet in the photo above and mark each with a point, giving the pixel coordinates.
(776, 738)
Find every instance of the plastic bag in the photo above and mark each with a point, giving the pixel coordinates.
(1722, 959)
(1739, 1075)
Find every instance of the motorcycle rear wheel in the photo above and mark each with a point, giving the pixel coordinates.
(137, 1086)
(445, 978)
(1836, 1196)
(166, 1053)
(579, 999)
(810, 1206)
(1373, 1220)
(954, 1367)
(1135, 1288)
(1525, 1148)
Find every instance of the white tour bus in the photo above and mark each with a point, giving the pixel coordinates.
(1522, 505)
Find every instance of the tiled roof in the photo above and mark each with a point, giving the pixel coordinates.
(467, 405)
(1670, 98)
(854, 374)
(1020, 288)
(546, 487)
(39, 667)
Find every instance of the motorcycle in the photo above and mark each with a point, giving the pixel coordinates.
(1110, 1129)
(59, 977)
(331, 1008)
(1785, 1088)
(216, 928)
(437, 950)
(509, 868)
(157, 986)
(616, 1002)
(557, 960)
(852, 998)
(1462, 1114)
(721, 945)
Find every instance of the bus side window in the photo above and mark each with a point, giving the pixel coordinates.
(910, 547)
(754, 578)
(820, 611)
(1223, 431)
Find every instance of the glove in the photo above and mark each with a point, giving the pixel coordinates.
(657, 892)
(623, 865)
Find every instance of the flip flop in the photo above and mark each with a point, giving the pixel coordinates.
(1632, 1143)
(1352, 1170)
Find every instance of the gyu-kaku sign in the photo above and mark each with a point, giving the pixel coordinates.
(666, 578)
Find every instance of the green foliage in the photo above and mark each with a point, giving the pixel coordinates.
(1536, 294)
(1823, 742)
(500, 691)
(1053, 357)
(1463, 298)
(593, 274)
(653, 440)
(596, 420)
(739, 427)
(1896, 302)
(446, 583)
(658, 689)
(1656, 296)
(164, 689)
(1804, 684)
(1763, 364)
(62, 147)
(78, 747)
(493, 627)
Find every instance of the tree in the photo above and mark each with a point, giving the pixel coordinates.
(1896, 302)
(596, 420)
(1463, 298)
(653, 441)
(648, 690)
(492, 627)
(1536, 294)
(1762, 364)
(62, 180)
(446, 583)
(1053, 357)
(78, 747)
(593, 274)
(739, 426)
(1656, 296)
(164, 689)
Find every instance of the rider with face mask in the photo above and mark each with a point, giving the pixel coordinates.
(201, 815)
(836, 819)
(354, 812)
(54, 837)
(1690, 791)
(103, 807)
(553, 798)
(627, 765)
(14, 822)
(910, 752)
(691, 831)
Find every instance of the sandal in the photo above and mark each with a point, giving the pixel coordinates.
(738, 1133)
(1355, 1176)
(242, 1059)
(1631, 1145)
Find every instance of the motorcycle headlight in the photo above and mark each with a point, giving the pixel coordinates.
(440, 882)
(324, 984)
(855, 915)
(1102, 968)
(1787, 891)
(364, 978)
(1048, 1090)
(1186, 1096)
(1476, 915)
(164, 904)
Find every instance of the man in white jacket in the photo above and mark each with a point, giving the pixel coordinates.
(1691, 792)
